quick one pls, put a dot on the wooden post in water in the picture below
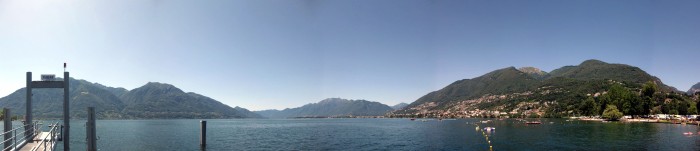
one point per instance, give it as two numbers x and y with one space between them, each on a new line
91 130
203 134
8 127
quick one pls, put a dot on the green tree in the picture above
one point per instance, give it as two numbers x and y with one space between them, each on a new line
590 107
611 113
683 107
620 96
649 88
673 112
646 105
656 110
693 110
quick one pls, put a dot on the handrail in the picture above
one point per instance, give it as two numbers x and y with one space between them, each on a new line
22 139
52 140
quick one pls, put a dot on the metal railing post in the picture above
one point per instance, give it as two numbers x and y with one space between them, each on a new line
15 139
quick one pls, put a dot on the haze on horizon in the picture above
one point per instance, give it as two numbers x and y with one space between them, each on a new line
267 54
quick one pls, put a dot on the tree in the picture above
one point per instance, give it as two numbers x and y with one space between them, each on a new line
656 110
649 88
683 107
693 110
590 107
646 105
611 113
673 112
622 97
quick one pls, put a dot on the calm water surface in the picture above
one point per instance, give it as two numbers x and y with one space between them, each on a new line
384 134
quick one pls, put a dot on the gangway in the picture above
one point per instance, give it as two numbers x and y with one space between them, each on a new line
20 139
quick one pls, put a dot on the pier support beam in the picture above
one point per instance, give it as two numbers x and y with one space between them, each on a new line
8 127
66 116
203 134
91 130
28 116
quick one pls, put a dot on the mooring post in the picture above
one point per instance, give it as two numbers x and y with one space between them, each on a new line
91 130
60 137
8 127
203 134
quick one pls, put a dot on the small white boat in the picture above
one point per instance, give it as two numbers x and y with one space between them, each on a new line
488 129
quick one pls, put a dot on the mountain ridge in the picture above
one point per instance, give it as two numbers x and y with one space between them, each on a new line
151 101
514 90
331 107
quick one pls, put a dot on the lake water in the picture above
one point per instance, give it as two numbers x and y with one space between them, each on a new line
384 134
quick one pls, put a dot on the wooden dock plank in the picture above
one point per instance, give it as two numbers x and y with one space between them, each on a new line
36 141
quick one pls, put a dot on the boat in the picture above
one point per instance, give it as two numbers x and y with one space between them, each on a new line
533 122
413 119
688 133
488 129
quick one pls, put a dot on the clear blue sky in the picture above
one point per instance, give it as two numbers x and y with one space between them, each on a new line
274 54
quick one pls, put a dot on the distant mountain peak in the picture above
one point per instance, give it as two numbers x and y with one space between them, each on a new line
159 84
331 107
164 87
532 70
694 89
592 62
329 100
399 106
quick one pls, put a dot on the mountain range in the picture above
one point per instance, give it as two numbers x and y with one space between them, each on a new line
530 89
151 101
331 107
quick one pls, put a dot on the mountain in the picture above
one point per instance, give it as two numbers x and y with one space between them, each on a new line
694 89
530 90
506 80
332 107
399 106
153 100
159 100
599 70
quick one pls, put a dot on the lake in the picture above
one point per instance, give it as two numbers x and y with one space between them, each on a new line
384 134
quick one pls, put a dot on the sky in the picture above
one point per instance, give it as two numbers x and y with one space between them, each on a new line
276 54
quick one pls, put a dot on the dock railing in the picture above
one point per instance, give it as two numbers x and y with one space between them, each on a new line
48 142
17 142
